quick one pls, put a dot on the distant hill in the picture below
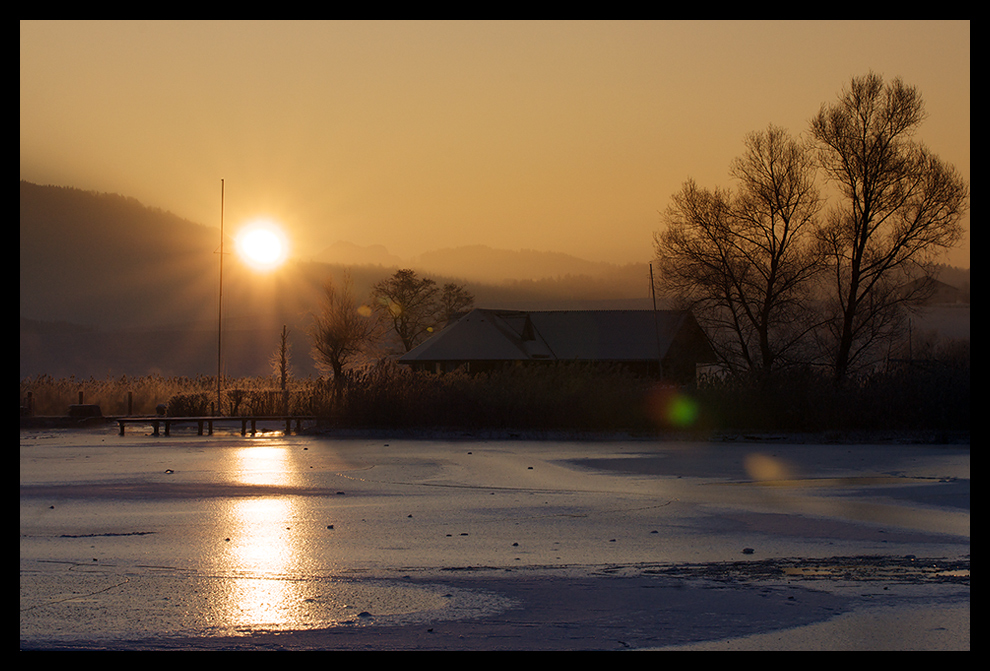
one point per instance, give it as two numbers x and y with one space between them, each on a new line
103 259
481 263
472 263
109 286
348 254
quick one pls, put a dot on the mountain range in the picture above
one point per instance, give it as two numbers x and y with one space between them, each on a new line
109 286
472 263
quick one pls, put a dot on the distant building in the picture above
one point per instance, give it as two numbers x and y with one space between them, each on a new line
934 292
666 343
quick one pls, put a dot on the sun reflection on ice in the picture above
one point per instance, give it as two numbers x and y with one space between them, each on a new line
261 561
266 464
271 571
262 554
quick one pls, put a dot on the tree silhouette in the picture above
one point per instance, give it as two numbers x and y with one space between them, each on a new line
765 270
417 306
341 330
280 362
744 261
901 206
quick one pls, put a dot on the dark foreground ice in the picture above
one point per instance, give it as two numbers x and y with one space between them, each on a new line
380 543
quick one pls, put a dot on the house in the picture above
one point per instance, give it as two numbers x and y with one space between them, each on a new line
665 342
934 292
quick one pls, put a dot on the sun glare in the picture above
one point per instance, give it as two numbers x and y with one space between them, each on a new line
262 245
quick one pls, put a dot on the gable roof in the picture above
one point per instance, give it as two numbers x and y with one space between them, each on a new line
940 292
561 335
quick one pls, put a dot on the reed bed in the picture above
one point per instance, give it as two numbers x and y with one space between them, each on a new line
141 395
572 397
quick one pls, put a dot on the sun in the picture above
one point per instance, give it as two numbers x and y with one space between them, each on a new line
262 245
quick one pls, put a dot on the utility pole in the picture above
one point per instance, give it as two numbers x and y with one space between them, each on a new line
656 324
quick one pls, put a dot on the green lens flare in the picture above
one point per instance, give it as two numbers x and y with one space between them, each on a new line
682 411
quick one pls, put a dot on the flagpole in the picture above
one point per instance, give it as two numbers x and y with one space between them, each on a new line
220 307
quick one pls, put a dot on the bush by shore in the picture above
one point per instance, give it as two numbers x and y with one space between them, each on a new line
573 398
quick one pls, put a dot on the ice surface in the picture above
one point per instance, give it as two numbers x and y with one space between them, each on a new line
189 541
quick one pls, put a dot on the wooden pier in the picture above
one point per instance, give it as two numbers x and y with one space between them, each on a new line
159 422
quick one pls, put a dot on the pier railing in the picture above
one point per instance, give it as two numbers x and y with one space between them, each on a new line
159 422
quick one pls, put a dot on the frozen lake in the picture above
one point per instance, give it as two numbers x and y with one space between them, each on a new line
301 542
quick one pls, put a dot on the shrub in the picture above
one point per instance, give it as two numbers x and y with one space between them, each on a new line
921 396
932 396
196 404
563 396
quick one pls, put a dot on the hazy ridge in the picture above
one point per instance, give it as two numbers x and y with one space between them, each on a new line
109 286
475 263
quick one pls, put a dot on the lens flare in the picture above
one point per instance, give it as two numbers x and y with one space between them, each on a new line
683 411
765 468
671 408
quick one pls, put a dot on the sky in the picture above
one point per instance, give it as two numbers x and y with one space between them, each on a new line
565 136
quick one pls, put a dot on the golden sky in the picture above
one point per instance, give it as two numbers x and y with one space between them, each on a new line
555 136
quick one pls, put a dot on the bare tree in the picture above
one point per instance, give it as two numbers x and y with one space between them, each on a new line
453 299
341 330
745 261
901 206
416 306
696 266
280 366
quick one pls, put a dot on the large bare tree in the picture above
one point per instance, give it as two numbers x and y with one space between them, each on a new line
745 260
341 330
417 306
900 207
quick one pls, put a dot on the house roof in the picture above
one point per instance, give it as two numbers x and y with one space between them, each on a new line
563 335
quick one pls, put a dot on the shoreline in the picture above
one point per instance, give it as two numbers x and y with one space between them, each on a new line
828 437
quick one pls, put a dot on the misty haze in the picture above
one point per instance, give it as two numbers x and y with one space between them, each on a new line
495 335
